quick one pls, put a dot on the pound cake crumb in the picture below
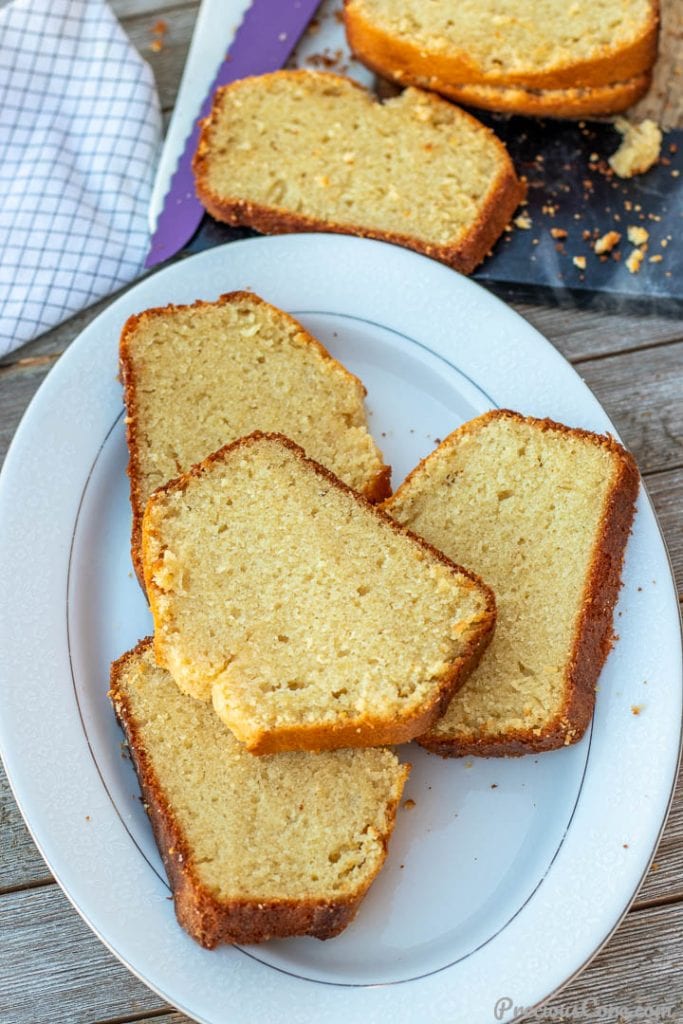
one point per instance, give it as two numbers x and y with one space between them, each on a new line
639 150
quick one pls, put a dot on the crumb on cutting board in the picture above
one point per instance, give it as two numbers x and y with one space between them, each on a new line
637 235
639 149
606 243
634 261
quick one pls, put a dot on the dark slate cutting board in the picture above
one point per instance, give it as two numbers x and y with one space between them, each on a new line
572 189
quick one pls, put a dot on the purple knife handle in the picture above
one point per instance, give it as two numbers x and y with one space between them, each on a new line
269 32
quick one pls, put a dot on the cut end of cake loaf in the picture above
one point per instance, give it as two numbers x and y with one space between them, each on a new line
543 512
198 377
517 43
254 848
311 620
312 151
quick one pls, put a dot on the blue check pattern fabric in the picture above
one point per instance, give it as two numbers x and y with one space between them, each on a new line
79 137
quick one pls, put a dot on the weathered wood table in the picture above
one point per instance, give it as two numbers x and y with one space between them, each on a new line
53 969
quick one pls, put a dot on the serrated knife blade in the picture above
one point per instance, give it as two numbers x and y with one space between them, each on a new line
268 33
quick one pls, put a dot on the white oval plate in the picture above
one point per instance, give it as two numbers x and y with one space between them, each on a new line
507 875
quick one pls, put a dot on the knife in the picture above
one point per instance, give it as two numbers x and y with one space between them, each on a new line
263 42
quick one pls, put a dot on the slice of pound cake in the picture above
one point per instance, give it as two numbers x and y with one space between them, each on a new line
198 377
543 512
506 42
254 848
582 101
311 619
312 151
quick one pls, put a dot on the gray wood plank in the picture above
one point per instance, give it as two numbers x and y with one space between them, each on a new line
642 391
175 1017
664 102
70 977
637 977
20 862
168 61
664 880
53 969
155 9
585 333
18 385
666 491
577 334
643 394
57 340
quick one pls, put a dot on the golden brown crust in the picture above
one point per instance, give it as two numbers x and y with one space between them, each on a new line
377 489
363 731
593 636
404 60
370 732
504 197
205 916
587 101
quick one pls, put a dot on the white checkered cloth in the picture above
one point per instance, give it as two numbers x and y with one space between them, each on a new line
79 138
